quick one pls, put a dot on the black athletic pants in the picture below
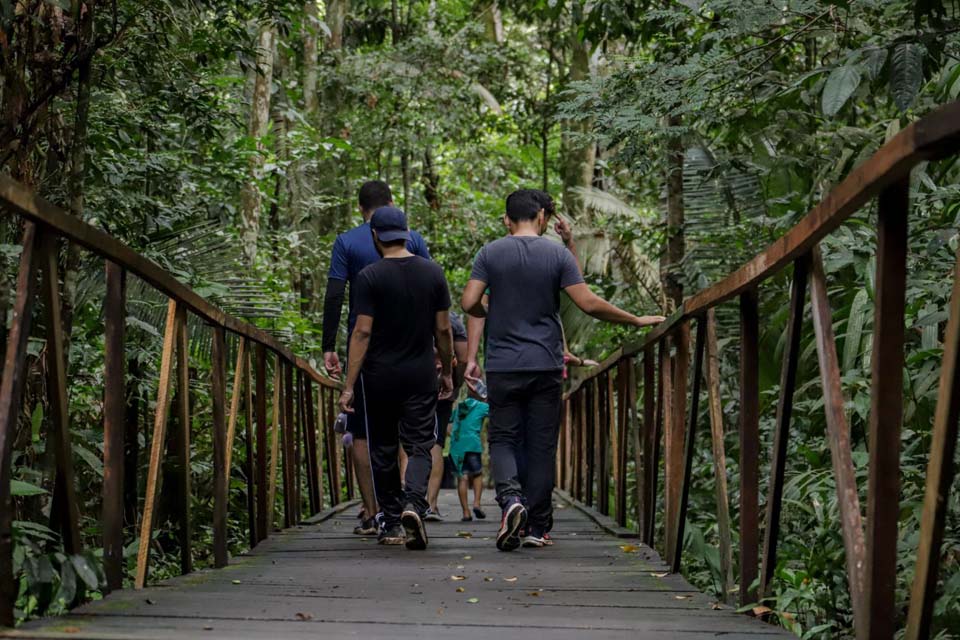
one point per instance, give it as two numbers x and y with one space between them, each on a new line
523 431
395 416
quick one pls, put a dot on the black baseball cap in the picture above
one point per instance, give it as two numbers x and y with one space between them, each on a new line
390 223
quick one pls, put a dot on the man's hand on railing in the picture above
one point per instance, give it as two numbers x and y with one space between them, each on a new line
648 321
331 362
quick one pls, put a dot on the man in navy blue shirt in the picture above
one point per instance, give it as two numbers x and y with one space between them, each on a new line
352 251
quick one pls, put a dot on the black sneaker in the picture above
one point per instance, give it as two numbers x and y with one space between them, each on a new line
514 518
366 527
416 532
391 535
432 516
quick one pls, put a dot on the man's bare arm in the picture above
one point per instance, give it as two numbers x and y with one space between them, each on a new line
444 337
593 305
472 299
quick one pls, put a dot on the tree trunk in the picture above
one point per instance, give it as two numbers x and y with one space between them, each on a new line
431 186
310 100
492 21
405 170
336 15
250 198
671 268
579 152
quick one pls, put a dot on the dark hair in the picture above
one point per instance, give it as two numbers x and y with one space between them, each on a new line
546 201
523 204
374 194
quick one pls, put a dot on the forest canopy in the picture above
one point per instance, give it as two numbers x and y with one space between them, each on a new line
226 140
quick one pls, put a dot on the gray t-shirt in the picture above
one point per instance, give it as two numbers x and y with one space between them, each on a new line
524 275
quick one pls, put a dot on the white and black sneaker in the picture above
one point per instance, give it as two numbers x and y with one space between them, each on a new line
432 516
534 538
415 530
514 518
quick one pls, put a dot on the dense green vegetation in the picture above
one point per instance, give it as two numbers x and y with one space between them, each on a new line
226 139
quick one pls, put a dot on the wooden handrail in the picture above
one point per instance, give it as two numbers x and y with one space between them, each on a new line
870 543
43 223
17 198
934 136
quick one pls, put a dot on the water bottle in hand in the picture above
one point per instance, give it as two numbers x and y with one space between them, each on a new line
340 425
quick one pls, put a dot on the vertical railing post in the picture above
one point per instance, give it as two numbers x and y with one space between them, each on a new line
603 431
675 436
749 443
65 508
263 509
664 400
182 443
886 413
291 514
838 435
648 496
249 463
158 443
778 459
114 427
11 388
221 475
690 443
621 425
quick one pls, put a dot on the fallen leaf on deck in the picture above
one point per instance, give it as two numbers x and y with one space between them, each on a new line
460 589
149 601
535 594
236 582
464 534
682 597
208 628
488 579
473 600
660 575
715 606
468 557
304 616
761 611
511 579
458 577
628 548
71 629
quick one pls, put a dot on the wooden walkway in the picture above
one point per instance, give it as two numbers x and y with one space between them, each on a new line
320 580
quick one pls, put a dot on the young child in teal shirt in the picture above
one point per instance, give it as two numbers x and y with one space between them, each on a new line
465 452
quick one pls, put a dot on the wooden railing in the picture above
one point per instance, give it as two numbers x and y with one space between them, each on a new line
601 410
295 422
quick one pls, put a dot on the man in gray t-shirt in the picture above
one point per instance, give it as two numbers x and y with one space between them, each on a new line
524 274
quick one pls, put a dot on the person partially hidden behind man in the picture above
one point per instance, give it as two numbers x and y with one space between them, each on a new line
525 274
402 304
352 252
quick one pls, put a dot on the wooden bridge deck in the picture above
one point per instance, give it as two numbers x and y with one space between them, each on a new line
320 580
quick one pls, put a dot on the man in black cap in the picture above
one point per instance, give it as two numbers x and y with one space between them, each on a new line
402 305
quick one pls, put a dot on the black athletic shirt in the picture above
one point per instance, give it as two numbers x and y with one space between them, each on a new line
403 295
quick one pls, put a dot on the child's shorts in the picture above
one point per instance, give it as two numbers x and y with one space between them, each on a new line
472 465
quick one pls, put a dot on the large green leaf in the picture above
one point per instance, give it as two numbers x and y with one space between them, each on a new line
21 488
840 85
857 318
906 73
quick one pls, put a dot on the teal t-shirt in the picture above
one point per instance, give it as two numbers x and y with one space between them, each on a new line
467 424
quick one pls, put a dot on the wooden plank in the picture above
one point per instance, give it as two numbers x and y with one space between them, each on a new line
20 200
249 462
781 434
65 493
690 444
940 473
157 446
886 414
264 511
749 444
838 434
221 473
275 429
114 422
235 403
11 391
674 437
182 444
725 544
